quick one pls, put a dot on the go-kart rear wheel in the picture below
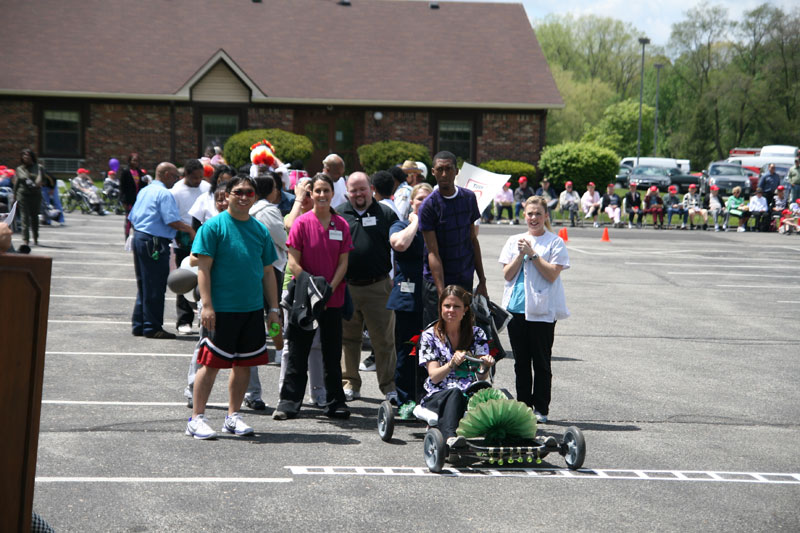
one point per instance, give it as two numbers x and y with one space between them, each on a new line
386 421
434 450
574 448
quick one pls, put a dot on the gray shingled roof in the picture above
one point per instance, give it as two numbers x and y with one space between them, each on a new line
293 51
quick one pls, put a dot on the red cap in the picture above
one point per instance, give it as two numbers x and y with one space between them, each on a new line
781 187
798 201
523 179
692 186
82 171
110 172
507 184
591 184
673 188
208 170
3 167
610 186
653 188
714 188
568 184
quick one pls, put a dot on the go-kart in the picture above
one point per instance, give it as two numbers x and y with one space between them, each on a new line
468 451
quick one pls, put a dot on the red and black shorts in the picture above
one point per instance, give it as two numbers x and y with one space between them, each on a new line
238 340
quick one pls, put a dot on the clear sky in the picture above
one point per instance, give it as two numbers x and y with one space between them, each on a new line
654 18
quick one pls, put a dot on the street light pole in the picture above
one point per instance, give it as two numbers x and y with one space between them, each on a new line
643 41
658 66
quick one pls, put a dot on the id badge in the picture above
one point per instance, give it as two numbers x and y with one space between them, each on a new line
369 221
406 286
335 235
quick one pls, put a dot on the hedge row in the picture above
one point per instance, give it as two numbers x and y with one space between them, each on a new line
288 146
579 163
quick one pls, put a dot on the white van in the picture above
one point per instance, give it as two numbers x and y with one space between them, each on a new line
778 150
759 161
664 162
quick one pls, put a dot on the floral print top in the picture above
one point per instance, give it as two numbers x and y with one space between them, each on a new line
431 348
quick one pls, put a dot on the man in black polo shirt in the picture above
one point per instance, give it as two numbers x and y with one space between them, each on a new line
368 280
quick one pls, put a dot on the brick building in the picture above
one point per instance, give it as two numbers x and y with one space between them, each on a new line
167 77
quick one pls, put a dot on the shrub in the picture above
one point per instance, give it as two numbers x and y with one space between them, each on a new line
384 154
515 168
288 146
580 163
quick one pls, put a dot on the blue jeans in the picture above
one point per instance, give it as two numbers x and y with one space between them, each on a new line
676 211
151 282
49 195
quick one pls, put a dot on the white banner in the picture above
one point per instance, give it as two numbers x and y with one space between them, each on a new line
483 183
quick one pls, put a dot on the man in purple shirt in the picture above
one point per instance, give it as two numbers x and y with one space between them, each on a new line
452 253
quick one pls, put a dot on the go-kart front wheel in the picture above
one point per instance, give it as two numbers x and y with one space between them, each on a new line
386 421
434 450
574 448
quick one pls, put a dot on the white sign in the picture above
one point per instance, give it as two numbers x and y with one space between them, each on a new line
483 183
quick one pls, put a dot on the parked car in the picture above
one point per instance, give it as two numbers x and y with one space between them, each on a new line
645 176
622 175
682 180
726 176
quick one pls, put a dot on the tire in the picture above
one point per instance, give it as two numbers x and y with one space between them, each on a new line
434 450
386 421
574 447
68 204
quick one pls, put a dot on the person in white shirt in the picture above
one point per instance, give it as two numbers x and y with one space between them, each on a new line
591 203
693 206
186 192
504 201
569 200
759 210
534 295
333 167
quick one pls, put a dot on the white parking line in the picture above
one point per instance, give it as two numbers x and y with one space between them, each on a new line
103 263
779 276
715 265
114 322
163 480
127 354
777 287
556 473
126 404
82 252
120 244
98 297
94 278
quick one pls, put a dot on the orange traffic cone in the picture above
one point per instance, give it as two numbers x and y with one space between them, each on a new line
563 235
605 238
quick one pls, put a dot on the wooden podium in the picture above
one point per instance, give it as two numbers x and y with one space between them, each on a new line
24 300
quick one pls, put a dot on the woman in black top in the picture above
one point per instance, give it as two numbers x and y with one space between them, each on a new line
130 181
28 181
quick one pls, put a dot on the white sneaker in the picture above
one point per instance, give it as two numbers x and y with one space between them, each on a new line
235 425
456 442
392 397
350 395
542 419
740 229
199 429
185 329
596 225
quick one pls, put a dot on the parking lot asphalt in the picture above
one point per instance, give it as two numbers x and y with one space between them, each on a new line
679 362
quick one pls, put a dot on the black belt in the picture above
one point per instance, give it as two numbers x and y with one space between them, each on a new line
364 282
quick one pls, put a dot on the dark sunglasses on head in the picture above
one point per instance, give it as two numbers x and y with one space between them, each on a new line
243 192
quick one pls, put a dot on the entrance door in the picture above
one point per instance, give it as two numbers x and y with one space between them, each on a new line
338 131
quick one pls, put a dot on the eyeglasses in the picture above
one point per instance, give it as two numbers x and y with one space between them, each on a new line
243 193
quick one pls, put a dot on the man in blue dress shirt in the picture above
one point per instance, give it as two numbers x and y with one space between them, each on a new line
155 219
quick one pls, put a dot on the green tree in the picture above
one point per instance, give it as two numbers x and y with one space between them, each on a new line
584 105
618 130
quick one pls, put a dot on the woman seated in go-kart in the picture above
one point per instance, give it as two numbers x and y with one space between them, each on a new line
443 349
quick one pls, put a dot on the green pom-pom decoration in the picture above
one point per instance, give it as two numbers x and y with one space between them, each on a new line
484 395
498 421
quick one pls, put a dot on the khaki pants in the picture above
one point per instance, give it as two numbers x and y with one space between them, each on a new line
369 302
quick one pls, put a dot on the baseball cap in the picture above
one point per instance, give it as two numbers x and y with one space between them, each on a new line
591 184
781 188
653 188
523 179
673 188
692 186
714 188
